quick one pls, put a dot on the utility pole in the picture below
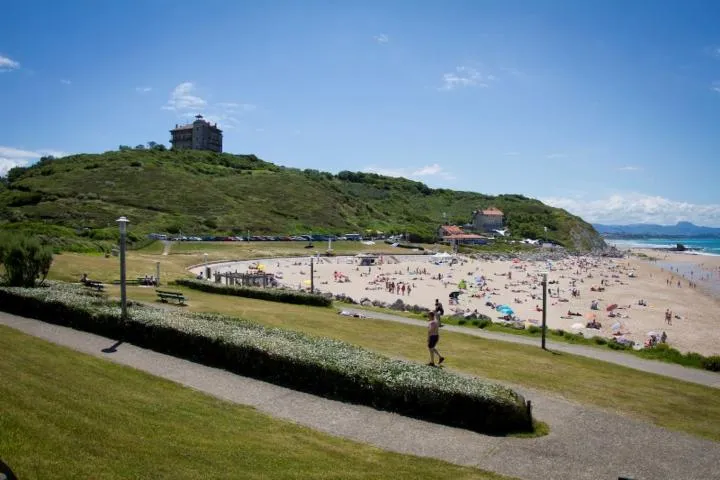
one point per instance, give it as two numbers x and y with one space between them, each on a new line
544 312
312 275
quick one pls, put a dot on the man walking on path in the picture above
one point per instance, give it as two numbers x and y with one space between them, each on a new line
433 337
439 312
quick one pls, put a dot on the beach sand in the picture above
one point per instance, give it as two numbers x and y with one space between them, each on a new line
514 283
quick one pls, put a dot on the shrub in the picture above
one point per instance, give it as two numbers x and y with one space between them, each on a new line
25 260
559 332
601 340
711 363
483 323
316 365
462 321
475 322
533 329
269 294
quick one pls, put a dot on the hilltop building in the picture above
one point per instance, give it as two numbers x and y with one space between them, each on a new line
487 220
199 135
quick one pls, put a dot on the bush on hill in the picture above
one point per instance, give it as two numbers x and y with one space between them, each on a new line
320 366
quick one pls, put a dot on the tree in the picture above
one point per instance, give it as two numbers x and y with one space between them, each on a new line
15 173
124 148
159 147
140 147
25 260
151 145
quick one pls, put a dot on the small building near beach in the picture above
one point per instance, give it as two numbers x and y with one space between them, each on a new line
446 230
465 239
487 220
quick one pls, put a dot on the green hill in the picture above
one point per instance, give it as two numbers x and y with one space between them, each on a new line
75 200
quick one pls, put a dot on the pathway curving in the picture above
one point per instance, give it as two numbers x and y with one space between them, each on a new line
584 443
679 372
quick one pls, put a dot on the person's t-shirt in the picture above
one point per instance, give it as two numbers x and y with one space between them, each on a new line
439 309
433 328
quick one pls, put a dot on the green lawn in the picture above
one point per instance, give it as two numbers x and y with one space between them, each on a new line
663 401
69 415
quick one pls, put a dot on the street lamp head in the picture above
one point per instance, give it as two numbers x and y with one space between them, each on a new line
122 222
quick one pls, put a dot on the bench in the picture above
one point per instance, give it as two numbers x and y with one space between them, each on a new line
96 285
127 282
165 296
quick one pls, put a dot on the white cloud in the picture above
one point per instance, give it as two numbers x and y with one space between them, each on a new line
426 171
182 98
382 38
143 89
556 155
7 64
465 77
14 157
639 208
716 86
629 168
65 81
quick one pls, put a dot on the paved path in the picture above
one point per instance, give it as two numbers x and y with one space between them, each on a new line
584 443
694 375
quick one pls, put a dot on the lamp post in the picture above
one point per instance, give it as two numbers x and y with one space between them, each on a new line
207 275
122 223
544 312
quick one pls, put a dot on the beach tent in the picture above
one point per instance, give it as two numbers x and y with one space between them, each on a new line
505 309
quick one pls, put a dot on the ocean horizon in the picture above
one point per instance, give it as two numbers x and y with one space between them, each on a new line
700 246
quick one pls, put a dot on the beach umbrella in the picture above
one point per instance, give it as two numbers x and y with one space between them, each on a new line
307 282
577 325
616 326
612 307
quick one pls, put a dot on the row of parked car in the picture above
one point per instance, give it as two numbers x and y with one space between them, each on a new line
255 238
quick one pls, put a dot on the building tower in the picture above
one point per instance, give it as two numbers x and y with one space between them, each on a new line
199 135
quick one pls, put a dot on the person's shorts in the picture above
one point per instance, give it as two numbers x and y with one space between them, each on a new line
432 340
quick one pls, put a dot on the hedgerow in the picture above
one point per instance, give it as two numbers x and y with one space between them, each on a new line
315 365
270 294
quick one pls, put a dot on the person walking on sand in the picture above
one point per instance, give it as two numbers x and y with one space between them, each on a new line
433 338
439 312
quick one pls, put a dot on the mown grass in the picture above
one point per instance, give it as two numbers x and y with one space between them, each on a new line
663 401
70 415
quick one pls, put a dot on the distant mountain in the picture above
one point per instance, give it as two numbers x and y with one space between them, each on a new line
681 229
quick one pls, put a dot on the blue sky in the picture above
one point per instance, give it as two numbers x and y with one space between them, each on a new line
609 109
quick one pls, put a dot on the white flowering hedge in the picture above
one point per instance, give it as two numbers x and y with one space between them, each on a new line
270 294
316 365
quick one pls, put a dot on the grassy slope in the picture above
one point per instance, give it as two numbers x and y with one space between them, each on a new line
204 192
70 415
653 398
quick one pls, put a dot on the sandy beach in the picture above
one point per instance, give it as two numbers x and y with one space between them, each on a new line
607 281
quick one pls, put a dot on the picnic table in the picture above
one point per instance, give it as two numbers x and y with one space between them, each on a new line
165 295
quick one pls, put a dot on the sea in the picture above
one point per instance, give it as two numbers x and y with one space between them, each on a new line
707 279
698 246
